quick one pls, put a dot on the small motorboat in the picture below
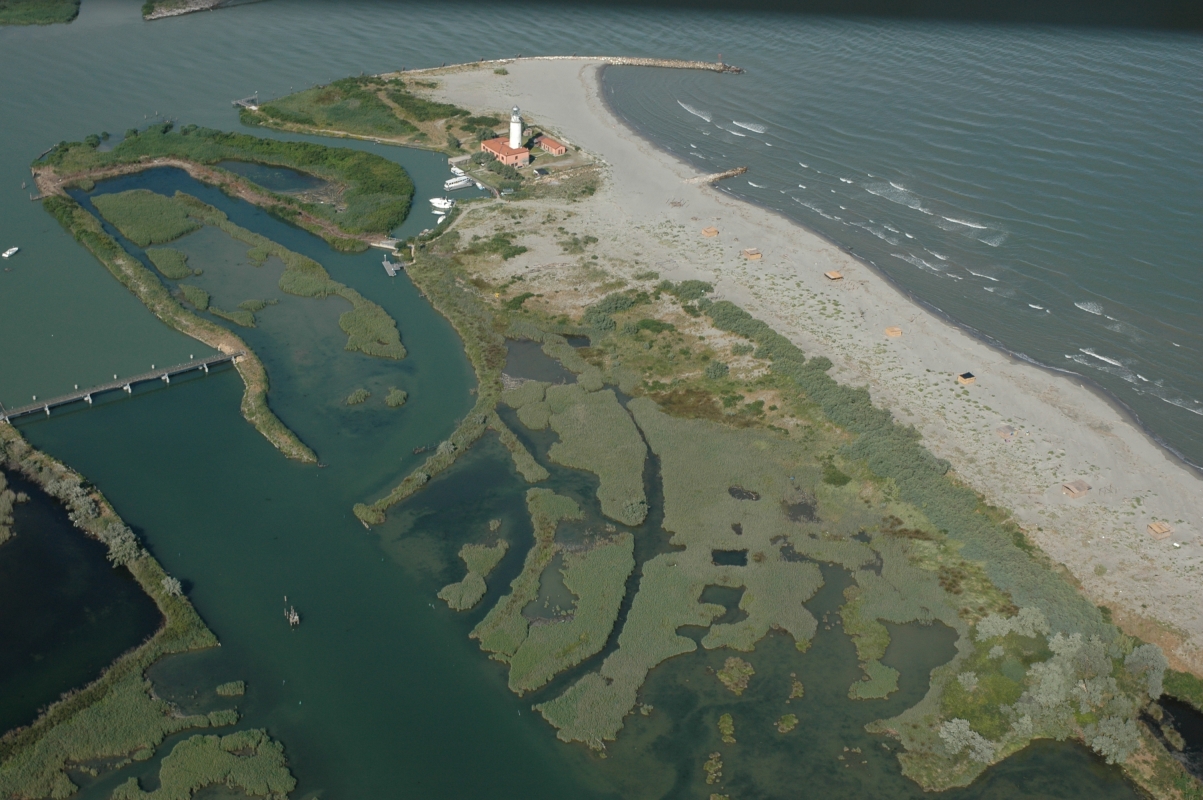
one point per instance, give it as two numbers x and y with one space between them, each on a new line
10 252
462 182
439 221
442 203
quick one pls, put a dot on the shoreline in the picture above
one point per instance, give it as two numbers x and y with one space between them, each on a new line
1085 382
1063 432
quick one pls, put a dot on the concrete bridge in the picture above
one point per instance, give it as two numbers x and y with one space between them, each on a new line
127 384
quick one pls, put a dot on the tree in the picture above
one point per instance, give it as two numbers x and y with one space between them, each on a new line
173 586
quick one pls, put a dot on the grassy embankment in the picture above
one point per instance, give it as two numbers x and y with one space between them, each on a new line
37 12
117 717
374 198
158 299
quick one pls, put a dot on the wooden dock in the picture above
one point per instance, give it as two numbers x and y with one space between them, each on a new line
251 102
127 384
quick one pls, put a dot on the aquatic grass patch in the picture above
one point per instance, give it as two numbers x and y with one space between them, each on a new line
597 434
597 578
195 295
395 397
172 263
145 217
358 397
143 283
247 761
504 628
232 689
530 469
369 327
480 560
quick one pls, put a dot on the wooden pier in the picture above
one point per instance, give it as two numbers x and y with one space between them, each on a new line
251 102
127 384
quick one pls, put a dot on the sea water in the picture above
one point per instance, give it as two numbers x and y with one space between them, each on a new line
380 693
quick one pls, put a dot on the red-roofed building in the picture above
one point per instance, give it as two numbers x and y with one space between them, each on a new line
501 150
551 145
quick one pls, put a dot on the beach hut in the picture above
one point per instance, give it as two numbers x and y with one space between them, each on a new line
833 276
1159 530
710 232
752 254
1005 432
966 378
893 331
1075 489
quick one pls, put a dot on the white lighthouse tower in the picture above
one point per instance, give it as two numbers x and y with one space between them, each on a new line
515 129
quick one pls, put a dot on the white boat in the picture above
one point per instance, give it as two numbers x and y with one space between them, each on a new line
442 203
10 251
462 182
439 221
457 172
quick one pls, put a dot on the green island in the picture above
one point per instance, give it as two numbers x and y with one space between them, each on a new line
766 471
118 717
38 12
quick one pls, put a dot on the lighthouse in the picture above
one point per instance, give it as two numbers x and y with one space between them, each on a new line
515 129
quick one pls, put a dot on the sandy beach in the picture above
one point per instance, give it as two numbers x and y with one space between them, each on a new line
649 215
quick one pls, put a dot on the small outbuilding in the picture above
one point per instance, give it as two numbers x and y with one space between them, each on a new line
710 232
1005 432
833 275
550 145
893 331
1159 530
966 378
1075 489
752 254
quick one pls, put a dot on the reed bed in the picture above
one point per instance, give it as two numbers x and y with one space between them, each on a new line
172 263
144 217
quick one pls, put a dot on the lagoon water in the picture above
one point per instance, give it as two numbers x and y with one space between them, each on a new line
380 693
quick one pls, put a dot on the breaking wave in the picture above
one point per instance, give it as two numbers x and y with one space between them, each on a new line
966 223
1092 308
896 194
1093 354
918 262
749 126
980 274
703 114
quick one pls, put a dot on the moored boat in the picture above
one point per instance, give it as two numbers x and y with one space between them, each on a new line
442 203
10 252
462 182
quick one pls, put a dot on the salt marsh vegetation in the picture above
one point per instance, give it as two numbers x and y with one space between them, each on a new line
480 560
145 217
172 263
232 689
597 434
530 469
247 761
395 397
735 675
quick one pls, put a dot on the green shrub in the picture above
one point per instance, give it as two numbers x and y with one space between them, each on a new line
504 170
424 110
515 303
654 325
716 370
